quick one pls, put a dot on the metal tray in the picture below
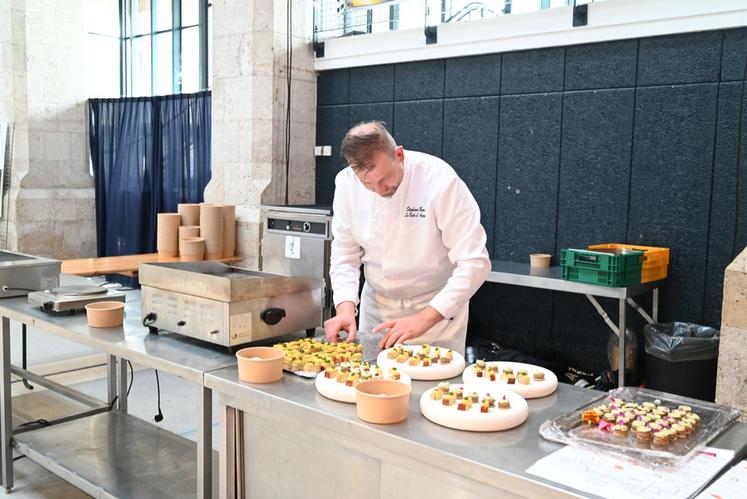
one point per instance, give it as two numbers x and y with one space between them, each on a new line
569 429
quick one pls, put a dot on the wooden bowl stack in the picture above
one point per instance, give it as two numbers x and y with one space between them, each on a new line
192 249
229 230
167 234
211 229
190 213
186 231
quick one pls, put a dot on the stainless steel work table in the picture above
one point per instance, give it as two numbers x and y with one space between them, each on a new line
329 452
551 279
110 453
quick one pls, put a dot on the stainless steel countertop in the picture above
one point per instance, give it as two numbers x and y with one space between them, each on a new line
509 453
169 352
551 278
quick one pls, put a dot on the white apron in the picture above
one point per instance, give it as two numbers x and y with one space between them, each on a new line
375 309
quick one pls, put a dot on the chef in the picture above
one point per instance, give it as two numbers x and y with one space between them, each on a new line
415 226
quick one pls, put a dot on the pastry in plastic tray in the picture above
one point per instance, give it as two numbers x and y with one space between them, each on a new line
655 427
527 380
473 407
338 383
308 357
423 362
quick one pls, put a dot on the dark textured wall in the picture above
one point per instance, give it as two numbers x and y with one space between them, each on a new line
628 141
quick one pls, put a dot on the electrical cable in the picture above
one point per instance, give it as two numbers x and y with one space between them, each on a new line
739 157
129 386
289 79
40 422
158 417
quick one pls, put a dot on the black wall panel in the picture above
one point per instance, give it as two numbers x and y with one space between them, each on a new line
594 167
372 84
627 141
418 125
677 59
331 125
526 191
723 200
601 65
532 71
419 80
733 56
471 147
333 87
671 186
471 76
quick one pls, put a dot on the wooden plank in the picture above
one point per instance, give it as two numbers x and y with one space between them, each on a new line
125 264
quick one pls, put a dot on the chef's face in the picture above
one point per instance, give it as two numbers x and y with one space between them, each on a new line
385 173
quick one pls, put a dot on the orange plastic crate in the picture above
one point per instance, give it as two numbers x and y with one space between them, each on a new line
655 260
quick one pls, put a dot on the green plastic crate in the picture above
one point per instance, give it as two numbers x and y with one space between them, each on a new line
603 278
604 262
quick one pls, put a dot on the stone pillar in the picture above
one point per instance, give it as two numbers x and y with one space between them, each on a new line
248 112
51 197
732 355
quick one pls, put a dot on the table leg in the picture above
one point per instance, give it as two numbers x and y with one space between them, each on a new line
111 378
621 344
204 442
6 413
122 382
655 305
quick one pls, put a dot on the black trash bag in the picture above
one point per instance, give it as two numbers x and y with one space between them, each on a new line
681 341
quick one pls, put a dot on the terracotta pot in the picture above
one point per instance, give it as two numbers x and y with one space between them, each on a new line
105 313
539 260
191 249
260 364
187 231
229 230
167 234
189 212
211 228
382 401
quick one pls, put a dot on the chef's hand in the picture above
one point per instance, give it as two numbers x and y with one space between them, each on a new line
408 327
343 321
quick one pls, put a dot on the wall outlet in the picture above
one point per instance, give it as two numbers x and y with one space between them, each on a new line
326 150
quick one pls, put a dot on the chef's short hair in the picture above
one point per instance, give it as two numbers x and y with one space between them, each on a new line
365 139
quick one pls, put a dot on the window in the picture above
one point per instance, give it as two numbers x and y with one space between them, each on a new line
165 47
102 48
332 18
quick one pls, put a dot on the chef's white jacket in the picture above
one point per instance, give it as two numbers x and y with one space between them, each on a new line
422 246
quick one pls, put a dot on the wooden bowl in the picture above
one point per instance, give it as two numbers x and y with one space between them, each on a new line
105 313
382 401
539 260
260 364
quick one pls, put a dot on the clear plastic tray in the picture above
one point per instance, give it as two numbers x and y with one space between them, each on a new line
569 429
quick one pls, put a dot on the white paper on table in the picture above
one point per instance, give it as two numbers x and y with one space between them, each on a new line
732 484
613 477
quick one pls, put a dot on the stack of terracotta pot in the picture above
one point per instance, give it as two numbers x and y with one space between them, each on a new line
198 231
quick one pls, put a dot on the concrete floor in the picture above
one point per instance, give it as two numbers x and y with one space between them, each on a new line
84 369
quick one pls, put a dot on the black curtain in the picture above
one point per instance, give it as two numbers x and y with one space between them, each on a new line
148 155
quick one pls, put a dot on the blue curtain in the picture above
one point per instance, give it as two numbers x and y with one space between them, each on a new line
148 155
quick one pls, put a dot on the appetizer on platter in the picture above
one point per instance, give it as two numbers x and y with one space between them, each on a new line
424 362
473 407
648 423
338 383
527 380
312 356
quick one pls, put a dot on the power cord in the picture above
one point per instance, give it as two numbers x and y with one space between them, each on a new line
158 417
129 386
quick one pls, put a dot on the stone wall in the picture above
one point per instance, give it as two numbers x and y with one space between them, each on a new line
42 94
248 111
732 356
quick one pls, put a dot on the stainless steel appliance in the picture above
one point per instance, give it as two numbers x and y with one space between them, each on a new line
226 305
68 299
296 241
20 274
